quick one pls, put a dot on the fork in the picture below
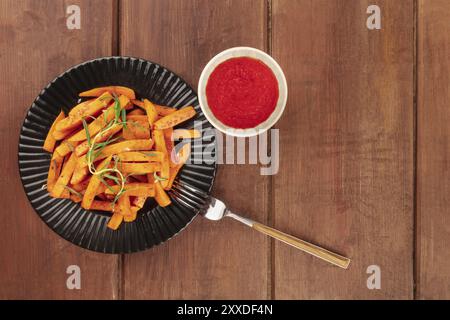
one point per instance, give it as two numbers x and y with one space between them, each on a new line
216 210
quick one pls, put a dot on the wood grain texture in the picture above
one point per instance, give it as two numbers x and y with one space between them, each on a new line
36 46
433 152
346 145
208 260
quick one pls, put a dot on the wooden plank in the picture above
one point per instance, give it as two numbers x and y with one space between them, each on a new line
346 141
36 46
207 260
433 154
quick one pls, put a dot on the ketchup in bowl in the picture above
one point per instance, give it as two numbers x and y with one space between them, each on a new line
242 92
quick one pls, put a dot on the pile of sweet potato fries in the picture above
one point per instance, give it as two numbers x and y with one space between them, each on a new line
111 152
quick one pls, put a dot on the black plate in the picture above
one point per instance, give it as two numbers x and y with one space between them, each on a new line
88 228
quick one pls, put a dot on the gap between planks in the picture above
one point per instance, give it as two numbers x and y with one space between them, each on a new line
415 255
115 51
271 206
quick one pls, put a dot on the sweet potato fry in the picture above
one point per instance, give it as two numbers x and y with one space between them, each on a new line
134 189
83 147
136 130
66 147
162 110
87 110
137 117
173 174
54 171
160 145
138 103
150 109
116 148
50 141
75 198
133 214
78 109
102 188
102 121
91 189
168 140
64 178
59 135
139 201
137 112
125 91
95 92
141 156
65 194
182 157
161 196
175 118
81 186
123 206
115 221
80 173
138 168
101 205
118 90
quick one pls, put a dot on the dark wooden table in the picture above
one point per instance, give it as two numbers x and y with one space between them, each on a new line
364 144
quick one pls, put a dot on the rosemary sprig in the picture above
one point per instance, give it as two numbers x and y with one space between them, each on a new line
73 191
124 118
116 110
86 129
105 115
118 195
110 177
149 154
158 178
109 125
96 148
105 183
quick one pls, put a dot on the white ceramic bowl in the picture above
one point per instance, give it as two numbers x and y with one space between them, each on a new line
235 53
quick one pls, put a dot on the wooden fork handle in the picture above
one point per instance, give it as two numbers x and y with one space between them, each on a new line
307 247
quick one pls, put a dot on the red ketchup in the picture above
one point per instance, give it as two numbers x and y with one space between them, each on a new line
242 92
